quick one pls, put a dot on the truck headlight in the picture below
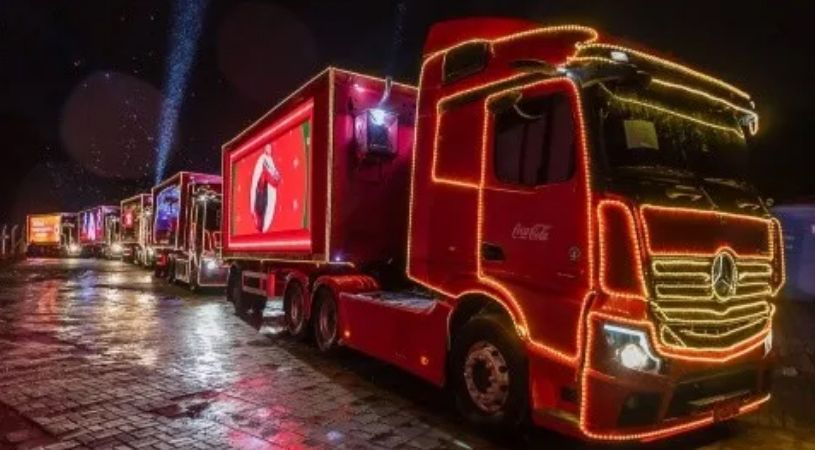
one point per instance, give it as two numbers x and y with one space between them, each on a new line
211 265
768 343
631 349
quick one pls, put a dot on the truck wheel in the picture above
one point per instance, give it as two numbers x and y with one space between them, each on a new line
490 377
193 284
233 285
294 308
258 305
326 321
237 296
171 271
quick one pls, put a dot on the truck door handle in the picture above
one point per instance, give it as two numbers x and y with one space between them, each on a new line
492 252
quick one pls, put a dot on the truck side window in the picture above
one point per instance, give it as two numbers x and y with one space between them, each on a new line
464 61
534 141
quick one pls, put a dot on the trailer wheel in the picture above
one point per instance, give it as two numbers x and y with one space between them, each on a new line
294 307
326 320
489 373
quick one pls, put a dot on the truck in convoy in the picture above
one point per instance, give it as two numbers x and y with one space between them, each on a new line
134 228
53 234
798 221
186 237
554 226
99 232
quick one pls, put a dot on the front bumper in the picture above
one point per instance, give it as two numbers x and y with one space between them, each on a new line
621 404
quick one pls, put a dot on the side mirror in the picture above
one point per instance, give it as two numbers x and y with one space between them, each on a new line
505 101
536 66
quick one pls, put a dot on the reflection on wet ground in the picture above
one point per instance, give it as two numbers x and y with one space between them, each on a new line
97 353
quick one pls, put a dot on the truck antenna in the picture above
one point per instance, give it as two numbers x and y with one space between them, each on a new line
387 93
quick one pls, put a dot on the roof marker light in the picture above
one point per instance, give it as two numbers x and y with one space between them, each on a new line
619 56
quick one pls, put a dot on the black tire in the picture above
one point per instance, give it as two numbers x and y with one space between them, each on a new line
171 271
193 284
236 295
489 374
325 320
258 304
233 284
294 309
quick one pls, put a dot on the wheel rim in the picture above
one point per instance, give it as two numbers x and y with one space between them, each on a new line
295 313
327 322
486 376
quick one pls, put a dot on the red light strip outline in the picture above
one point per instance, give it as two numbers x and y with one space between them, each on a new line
540 347
697 212
522 329
657 60
303 112
640 291
585 427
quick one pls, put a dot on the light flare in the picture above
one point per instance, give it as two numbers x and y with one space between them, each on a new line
188 17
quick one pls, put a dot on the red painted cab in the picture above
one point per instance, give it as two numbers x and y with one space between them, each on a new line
186 235
134 228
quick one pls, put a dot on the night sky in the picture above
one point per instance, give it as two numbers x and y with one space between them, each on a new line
82 82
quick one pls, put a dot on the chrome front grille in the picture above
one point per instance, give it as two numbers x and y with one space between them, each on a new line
690 312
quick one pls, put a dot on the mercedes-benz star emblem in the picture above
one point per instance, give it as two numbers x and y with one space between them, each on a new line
723 276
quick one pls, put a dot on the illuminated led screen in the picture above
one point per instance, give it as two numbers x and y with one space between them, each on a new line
44 230
168 204
269 192
130 220
91 226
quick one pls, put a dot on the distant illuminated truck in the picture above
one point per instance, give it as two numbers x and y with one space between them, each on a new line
99 231
186 237
554 227
135 228
52 234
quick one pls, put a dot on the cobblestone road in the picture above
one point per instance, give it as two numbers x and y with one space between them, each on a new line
97 354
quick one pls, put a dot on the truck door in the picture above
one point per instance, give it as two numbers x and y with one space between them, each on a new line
534 232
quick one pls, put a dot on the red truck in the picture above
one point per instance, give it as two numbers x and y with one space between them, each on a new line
552 225
53 234
135 228
99 231
186 235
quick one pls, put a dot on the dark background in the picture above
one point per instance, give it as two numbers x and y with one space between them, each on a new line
81 82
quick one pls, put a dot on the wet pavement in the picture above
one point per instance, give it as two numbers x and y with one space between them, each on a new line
97 354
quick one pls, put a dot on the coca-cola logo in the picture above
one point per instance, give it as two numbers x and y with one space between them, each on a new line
536 232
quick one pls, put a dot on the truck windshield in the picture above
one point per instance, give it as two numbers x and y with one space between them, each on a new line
645 132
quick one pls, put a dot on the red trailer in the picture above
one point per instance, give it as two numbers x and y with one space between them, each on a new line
99 231
549 225
53 234
135 226
186 235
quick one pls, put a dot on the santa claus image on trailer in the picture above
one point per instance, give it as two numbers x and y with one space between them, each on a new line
263 194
